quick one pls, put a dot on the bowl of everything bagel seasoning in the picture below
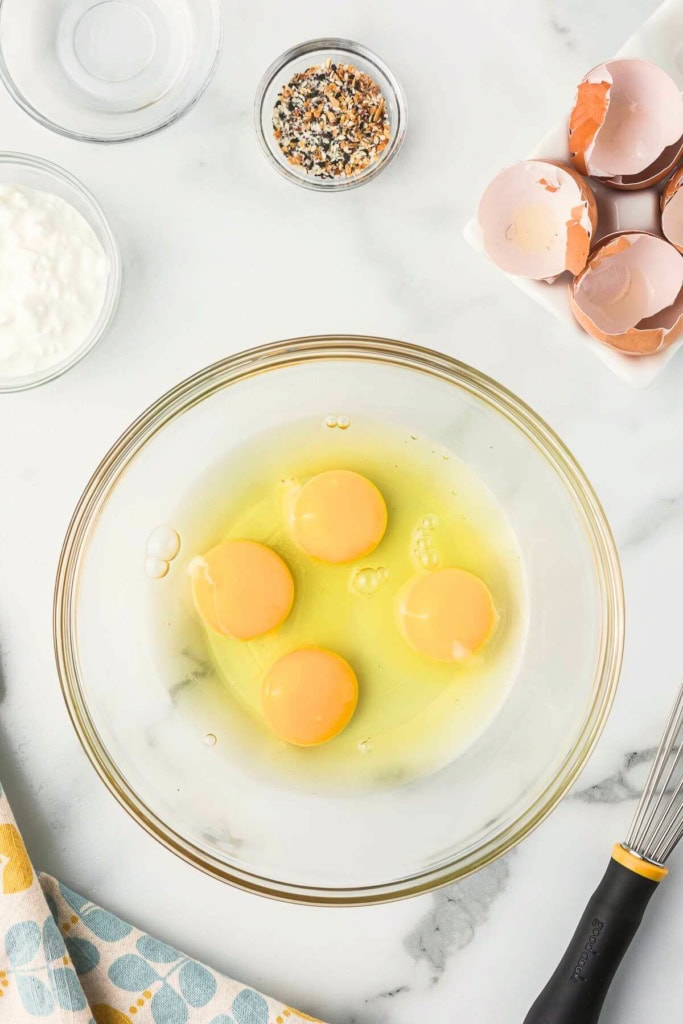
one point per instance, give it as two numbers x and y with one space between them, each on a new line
330 115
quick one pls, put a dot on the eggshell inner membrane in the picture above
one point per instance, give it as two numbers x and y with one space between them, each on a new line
653 174
672 211
630 283
667 320
536 220
642 118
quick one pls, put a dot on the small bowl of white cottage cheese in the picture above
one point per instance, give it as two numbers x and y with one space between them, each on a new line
60 271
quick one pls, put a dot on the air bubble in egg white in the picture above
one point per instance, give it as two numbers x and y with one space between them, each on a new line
210 739
365 746
368 581
424 550
156 568
339 422
163 543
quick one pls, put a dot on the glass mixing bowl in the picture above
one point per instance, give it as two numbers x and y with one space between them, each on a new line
191 794
108 70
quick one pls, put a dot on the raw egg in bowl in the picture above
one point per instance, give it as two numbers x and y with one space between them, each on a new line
329 587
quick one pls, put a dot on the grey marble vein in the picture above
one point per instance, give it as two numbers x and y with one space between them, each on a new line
624 784
391 993
199 669
666 511
365 1019
564 32
456 914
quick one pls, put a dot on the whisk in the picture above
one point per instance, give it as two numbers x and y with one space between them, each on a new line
576 992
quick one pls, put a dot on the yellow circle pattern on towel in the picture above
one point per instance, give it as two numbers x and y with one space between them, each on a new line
447 615
309 696
339 516
242 589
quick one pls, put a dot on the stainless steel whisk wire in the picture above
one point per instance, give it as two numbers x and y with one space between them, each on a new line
578 987
657 826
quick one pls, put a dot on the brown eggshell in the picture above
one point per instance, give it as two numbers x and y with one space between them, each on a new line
626 127
588 116
630 295
672 210
587 194
653 174
537 220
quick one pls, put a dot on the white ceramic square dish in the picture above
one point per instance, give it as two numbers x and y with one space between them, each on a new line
660 39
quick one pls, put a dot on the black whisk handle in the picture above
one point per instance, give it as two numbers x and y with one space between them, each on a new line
576 992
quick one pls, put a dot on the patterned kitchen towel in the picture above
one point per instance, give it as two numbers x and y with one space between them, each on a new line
64 960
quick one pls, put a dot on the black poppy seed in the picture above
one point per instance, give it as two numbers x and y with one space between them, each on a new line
331 121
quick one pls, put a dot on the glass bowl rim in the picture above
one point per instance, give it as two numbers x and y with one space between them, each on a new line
284 354
353 49
113 252
70 133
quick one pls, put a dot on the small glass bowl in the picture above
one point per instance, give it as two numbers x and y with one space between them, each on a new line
20 169
311 54
108 70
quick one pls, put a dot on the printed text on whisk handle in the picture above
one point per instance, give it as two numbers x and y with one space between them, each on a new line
589 950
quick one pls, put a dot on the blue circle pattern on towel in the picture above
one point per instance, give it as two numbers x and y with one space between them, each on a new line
64 960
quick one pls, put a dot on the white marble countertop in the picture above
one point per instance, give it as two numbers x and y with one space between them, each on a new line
206 227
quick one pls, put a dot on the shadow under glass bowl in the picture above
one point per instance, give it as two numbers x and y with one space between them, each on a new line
380 845
311 54
108 70
32 172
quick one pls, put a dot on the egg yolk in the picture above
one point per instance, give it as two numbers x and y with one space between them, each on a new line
339 516
309 696
242 589
447 615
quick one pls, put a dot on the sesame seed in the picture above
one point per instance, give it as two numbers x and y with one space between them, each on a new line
331 121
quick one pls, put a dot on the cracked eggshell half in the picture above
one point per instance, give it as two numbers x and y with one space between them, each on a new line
537 219
630 296
626 128
672 210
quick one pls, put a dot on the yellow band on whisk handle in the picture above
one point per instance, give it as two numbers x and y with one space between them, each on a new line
639 866
578 988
